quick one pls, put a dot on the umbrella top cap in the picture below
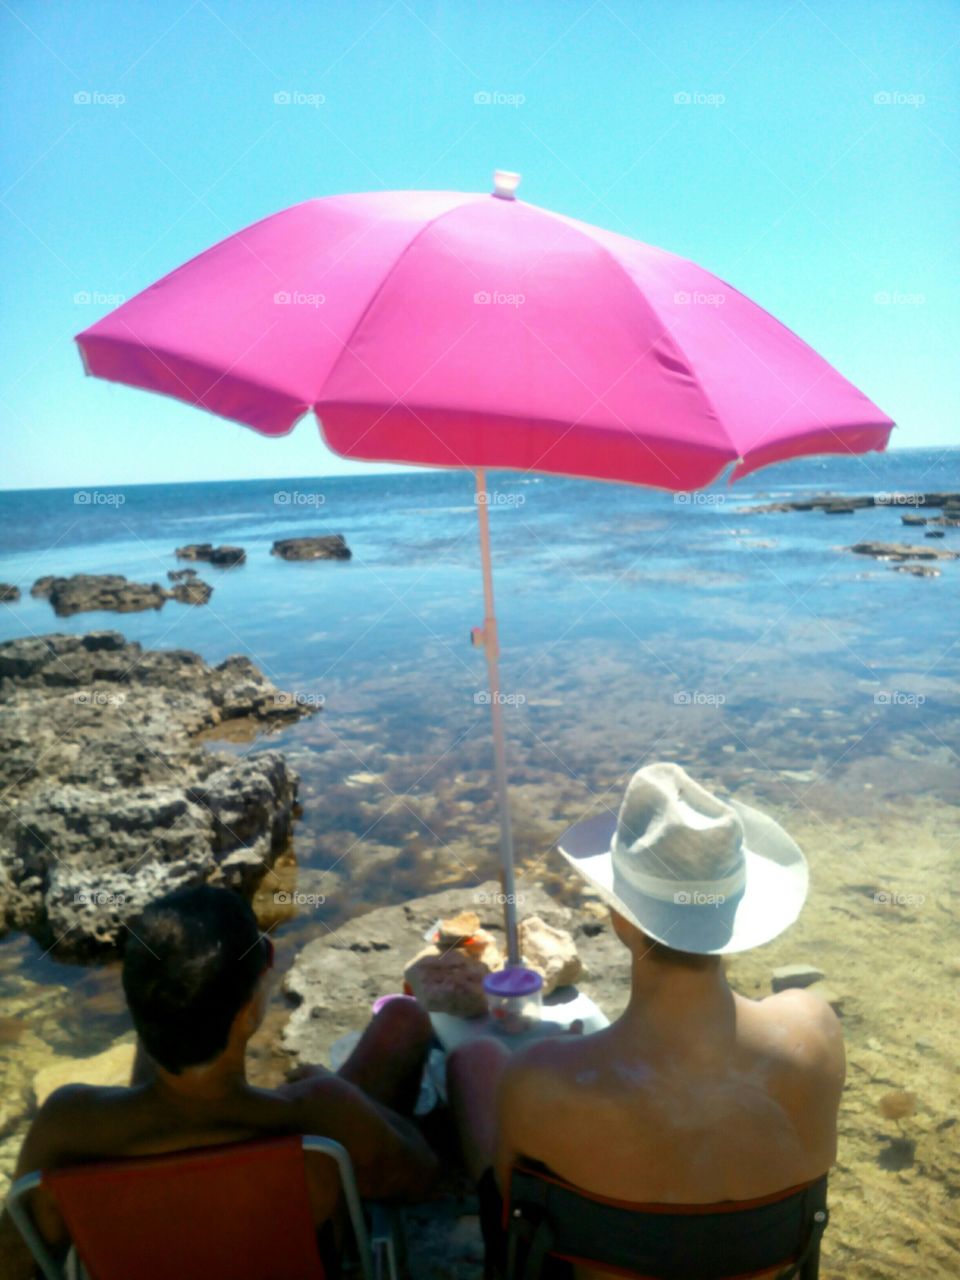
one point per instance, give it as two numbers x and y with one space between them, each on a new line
505 184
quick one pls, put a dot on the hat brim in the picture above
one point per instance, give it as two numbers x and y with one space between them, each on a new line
773 895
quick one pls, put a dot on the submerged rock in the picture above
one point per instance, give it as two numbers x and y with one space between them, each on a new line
917 570
331 546
795 975
110 798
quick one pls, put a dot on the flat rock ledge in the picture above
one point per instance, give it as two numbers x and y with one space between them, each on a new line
110 800
335 979
86 592
844 504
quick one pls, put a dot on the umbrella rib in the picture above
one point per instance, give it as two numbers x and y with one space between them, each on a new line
384 278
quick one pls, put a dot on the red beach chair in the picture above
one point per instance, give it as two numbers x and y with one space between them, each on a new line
236 1212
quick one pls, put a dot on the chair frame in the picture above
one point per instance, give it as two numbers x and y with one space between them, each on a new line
377 1250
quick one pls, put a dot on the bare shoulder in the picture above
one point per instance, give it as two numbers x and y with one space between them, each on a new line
58 1127
803 1029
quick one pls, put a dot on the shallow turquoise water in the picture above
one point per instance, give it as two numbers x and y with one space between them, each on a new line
635 625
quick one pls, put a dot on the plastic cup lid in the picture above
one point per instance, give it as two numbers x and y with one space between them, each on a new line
512 982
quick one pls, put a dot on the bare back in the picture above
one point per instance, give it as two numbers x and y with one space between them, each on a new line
725 1109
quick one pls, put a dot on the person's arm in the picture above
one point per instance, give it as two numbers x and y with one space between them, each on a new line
39 1151
513 1122
391 1159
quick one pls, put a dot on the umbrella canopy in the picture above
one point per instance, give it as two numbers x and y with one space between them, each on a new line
459 330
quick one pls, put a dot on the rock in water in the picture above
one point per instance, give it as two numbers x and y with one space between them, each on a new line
86 592
329 547
94 591
228 557
8 593
110 798
223 557
795 975
901 551
193 591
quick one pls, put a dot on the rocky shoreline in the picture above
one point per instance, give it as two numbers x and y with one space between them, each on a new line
111 799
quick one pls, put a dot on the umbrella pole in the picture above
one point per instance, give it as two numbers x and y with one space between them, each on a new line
488 637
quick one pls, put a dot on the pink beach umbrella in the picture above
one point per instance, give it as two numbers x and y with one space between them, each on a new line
450 329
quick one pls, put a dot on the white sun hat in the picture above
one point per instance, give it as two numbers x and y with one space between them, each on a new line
690 870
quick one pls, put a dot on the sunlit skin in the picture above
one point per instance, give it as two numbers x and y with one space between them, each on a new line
695 1094
364 1106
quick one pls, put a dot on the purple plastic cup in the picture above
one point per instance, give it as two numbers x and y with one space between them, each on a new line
514 997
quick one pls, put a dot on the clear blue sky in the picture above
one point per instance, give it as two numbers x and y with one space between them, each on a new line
800 188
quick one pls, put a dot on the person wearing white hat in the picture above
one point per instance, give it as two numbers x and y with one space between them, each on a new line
695 1094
